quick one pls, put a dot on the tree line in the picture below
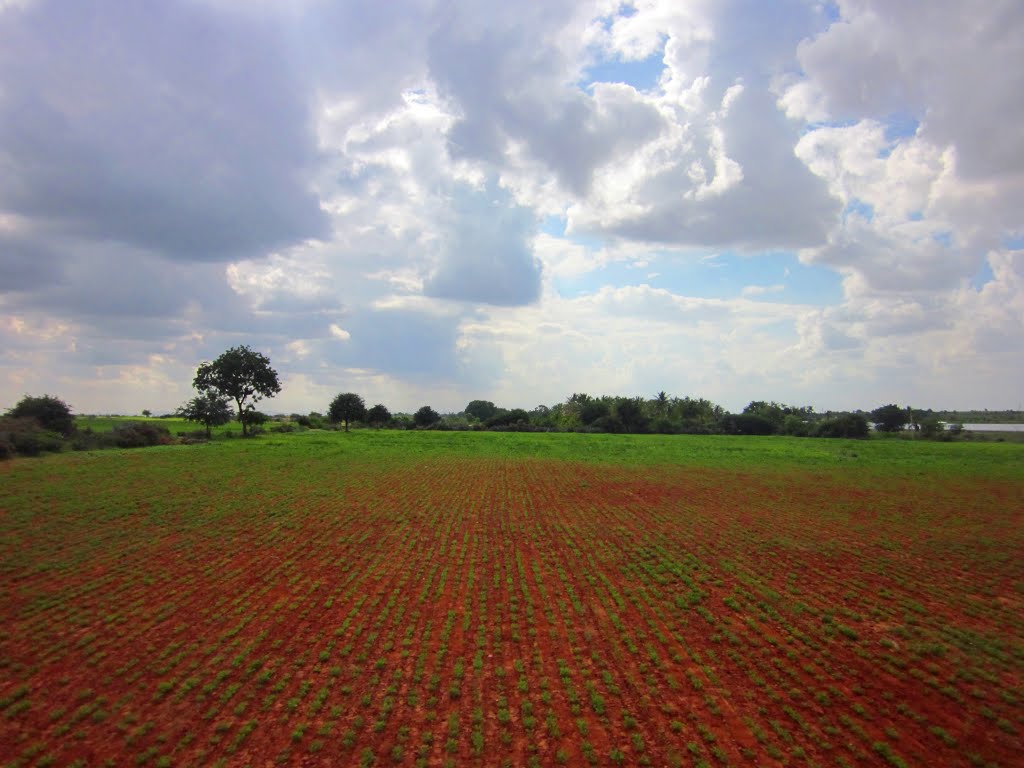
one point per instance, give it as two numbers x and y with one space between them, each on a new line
231 386
661 414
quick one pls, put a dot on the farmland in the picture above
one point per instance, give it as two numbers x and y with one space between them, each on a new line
486 599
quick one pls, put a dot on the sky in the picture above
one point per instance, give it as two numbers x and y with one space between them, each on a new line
429 202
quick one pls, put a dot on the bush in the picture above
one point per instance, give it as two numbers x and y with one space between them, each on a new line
664 426
508 418
849 425
747 424
794 426
24 436
140 435
87 440
52 413
608 423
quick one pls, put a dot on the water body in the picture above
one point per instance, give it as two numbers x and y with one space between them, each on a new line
993 427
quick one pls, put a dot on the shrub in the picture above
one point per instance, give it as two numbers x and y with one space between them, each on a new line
608 423
850 425
795 426
517 416
664 426
747 424
25 436
87 440
52 413
140 435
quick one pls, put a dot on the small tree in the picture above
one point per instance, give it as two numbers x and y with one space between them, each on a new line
50 413
889 418
240 374
346 407
378 416
146 412
209 409
426 416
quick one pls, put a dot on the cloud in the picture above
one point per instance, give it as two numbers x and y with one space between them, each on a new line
721 172
761 290
198 157
883 58
390 199
487 254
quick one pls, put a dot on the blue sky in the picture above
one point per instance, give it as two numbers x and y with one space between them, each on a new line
642 75
428 203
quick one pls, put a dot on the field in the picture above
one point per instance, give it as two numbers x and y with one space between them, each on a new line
172 425
501 599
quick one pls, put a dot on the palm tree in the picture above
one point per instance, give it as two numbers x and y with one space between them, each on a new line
661 403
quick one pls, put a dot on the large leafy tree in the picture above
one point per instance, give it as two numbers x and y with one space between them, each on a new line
209 409
346 407
240 374
630 411
481 409
889 418
378 416
50 412
426 416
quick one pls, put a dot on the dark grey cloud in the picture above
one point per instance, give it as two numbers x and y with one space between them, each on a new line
401 342
165 126
487 256
26 263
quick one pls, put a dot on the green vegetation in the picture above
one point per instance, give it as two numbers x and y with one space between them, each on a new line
777 454
242 375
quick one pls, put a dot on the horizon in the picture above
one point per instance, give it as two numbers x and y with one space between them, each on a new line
808 202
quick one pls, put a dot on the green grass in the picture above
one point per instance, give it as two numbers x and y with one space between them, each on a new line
174 426
754 454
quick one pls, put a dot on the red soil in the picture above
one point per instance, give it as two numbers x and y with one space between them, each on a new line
498 612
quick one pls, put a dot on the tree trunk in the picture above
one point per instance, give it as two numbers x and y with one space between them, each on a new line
241 415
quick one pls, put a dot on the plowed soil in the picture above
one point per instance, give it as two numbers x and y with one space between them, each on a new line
515 611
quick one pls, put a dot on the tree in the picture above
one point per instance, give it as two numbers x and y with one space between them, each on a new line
239 374
592 410
209 409
889 418
848 425
426 416
252 418
378 416
517 417
146 412
630 411
931 428
481 409
346 407
747 424
50 413
661 403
